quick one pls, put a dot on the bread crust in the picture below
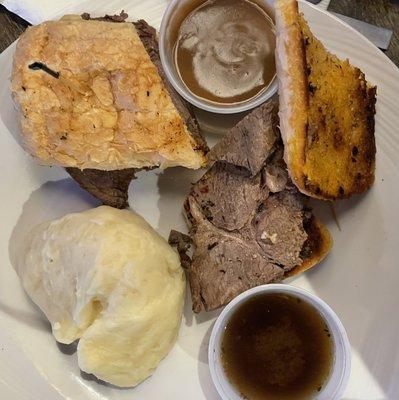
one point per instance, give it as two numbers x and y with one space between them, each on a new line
109 108
293 95
326 113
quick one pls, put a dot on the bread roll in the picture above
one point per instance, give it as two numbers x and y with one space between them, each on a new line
89 96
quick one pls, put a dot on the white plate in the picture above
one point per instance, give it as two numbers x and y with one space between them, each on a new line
359 279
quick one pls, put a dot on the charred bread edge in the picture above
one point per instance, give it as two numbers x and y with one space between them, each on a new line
291 52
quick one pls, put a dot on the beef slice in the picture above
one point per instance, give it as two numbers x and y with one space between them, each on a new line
111 187
251 141
227 196
224 264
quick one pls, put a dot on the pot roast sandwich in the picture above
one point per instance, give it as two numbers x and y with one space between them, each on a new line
249 225
93 98
326 112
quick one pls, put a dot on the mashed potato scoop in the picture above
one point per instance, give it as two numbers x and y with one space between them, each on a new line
105 277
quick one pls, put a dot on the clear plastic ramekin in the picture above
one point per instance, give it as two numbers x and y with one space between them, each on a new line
173 17
339 376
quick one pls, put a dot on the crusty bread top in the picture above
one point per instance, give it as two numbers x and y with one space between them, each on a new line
109 108
326 112
293 99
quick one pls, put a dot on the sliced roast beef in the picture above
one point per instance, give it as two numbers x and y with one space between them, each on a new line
247 219
279 229
251 141
224 264
275 172
182 243
227 196
111 187
110 18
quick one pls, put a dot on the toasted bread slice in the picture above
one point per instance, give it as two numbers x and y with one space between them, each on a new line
90 96
326 112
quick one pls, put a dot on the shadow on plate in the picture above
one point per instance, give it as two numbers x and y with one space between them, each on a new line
92 378
51 200
35 320
191 318
8 112
68 349
325 210
204 375
217 124
358 281
174 184
71 349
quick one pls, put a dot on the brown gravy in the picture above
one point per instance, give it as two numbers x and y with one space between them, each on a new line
224 51
277 346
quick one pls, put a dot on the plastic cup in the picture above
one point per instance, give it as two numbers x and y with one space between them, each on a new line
171 21
339 376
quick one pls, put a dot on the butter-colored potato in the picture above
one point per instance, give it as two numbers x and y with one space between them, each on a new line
105 277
